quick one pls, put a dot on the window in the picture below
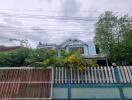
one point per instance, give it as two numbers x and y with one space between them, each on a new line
81 49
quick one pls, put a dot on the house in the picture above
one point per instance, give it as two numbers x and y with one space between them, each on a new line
87 49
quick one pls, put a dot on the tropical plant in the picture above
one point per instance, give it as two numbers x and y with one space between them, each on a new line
74 60
44 58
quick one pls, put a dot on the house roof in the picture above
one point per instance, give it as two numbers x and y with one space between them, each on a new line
5 48
62 45
67 42
41 45
97 57
25 83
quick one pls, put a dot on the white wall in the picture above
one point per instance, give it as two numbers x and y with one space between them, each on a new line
91 48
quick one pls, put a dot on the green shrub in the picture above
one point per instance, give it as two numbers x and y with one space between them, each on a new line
44 58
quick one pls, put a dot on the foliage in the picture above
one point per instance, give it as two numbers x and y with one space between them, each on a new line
104 36
74 60
14 58
44 58
114 37
41 57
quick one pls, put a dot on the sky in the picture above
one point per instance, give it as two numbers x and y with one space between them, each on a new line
54 21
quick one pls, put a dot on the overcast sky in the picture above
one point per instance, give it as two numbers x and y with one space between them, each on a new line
53 21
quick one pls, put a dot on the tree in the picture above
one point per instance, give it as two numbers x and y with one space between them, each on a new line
104 32
114 37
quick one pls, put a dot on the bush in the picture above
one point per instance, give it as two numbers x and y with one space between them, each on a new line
41 57
14 58
44 58
74 60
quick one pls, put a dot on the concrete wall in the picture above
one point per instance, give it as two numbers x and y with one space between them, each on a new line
87 93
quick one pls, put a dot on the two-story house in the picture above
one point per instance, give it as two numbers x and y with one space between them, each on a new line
87 49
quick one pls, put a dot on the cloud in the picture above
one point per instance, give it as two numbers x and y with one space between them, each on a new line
57 23
70 7
11 21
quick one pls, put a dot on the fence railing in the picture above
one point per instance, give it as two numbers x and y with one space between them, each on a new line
101 74
125 74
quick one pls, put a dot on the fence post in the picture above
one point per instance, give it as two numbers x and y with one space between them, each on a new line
69 83
119 83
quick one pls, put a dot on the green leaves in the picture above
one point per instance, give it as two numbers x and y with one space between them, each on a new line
104 37
14 58
114 36
43 58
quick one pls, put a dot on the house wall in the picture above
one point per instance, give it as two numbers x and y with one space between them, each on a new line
91 49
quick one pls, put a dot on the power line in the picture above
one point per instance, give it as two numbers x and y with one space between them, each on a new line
62 31
57 18
57 11
46 15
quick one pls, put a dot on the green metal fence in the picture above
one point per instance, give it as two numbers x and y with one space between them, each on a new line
112 83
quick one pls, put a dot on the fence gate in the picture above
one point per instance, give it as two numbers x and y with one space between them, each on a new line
25 84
